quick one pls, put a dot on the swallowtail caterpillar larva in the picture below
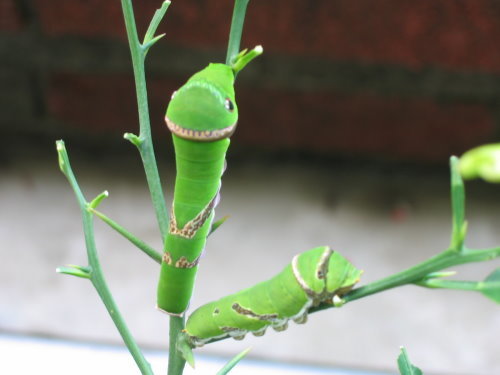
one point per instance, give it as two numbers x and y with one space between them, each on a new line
315 276
201 115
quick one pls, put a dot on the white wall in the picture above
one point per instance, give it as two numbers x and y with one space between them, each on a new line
382 220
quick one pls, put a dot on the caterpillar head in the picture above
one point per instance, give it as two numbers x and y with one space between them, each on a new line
204 109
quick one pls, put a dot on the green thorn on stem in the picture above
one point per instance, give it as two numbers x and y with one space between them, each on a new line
244 57
217 224
74 270
134 139
97 200
149 44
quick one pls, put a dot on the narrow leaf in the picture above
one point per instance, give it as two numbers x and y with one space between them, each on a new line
217 224
73 270
132 138
97 200
185 349
150 43
457 206
405 366
483 162
491 286
233 362
61 151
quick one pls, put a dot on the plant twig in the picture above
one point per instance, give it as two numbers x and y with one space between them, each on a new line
144 142
145 145
94 270
238 19
144 247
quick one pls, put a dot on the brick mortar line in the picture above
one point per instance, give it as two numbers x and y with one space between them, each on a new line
277 72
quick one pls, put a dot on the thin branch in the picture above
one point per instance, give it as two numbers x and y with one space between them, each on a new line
238 19
94 271
144 142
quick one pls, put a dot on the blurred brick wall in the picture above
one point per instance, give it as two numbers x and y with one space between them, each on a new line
386 79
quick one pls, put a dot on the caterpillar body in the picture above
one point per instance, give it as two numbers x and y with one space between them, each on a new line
315 276
201 115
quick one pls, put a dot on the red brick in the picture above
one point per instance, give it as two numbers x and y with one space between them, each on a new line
187 21
363 125
90 17
325 123
449 33
10 19
104 104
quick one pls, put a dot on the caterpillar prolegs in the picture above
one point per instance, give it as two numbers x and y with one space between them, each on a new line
315 276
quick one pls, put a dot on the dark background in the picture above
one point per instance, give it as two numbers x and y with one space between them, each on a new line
368 80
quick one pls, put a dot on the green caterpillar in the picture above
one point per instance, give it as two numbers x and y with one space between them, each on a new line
201 115
315 276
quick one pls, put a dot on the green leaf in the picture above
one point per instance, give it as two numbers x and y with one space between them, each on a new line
405 366
217 224
74 270
459 229
482 162
61 151
233 362
185 349
97 200
244 57
490 287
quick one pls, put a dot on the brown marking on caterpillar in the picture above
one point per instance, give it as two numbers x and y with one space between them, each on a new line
190 229
200 135
321 272
182 262
167 258
322 268
247 312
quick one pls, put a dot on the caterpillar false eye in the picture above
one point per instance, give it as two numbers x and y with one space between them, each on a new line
173 95
229 105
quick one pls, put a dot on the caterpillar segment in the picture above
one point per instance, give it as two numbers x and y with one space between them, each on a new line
316 276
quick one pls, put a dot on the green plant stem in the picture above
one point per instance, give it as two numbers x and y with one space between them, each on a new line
96 274
145 143
145 146
412 275
175 361
233 45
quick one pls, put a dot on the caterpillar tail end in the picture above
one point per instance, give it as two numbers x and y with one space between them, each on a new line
179 315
